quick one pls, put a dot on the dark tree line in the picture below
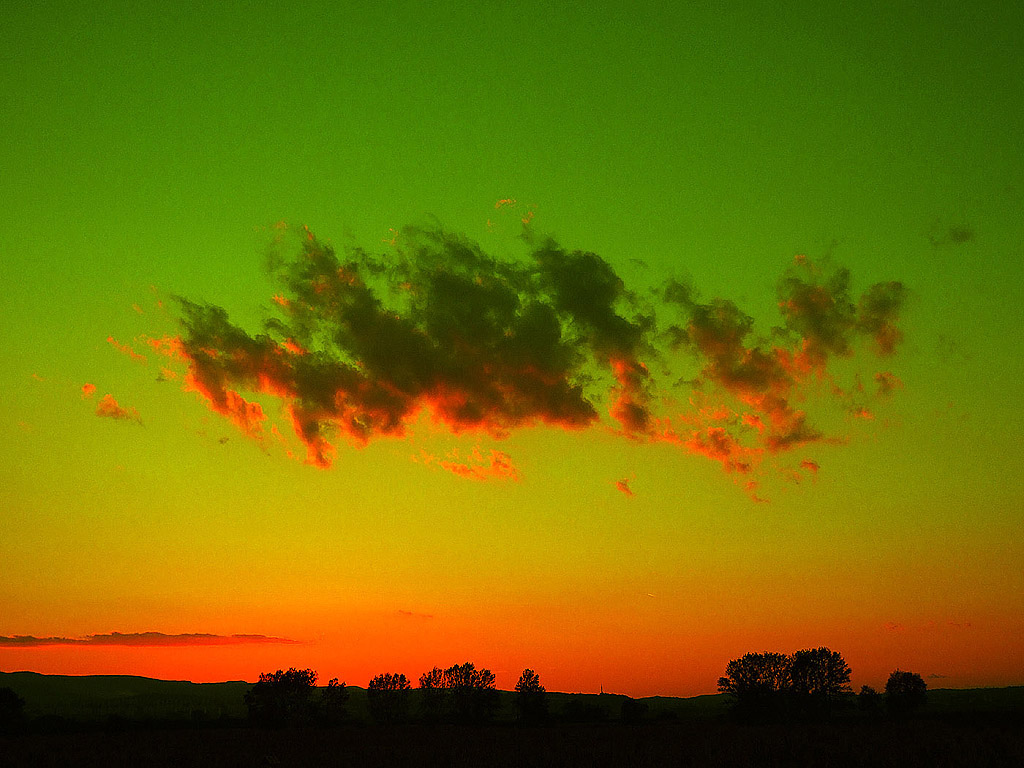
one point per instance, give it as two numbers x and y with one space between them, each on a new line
461 693
387 697
809 684
291 698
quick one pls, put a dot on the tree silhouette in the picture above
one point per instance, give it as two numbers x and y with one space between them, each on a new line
818 678
387 696
331 709
473 694
531 698
758 682
808 683
905 692
462 692
432 693
281 697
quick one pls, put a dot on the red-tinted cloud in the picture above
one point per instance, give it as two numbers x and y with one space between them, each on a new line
88 390
497 465
768 375
125 349
140 639
623 486
361 345
109 408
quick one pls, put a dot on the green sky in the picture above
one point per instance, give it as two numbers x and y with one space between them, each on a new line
150 154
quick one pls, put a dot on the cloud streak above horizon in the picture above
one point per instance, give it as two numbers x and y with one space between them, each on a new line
141 640
358 345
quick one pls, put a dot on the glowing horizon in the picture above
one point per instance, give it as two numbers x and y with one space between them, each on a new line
614 350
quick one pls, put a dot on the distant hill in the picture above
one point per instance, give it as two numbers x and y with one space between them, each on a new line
981 700
102 697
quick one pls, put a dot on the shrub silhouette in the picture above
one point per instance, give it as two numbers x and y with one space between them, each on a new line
633 711
869 700
578 710
12 710
531 698
905 692
387 697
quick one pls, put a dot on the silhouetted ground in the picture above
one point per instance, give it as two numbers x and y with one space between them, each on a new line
935 742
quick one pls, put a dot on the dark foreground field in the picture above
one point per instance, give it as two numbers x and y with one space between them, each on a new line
703 744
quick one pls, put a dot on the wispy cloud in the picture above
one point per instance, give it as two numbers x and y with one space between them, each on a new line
414 615
125 349
930 626
496 465
140 639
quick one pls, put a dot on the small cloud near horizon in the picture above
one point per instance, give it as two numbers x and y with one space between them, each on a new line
414 615
141 639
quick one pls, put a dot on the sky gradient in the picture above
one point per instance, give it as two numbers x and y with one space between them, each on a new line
614 345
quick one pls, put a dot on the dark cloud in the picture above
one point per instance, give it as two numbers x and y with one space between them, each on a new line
886 383
140 639
952 234
360 345
878 313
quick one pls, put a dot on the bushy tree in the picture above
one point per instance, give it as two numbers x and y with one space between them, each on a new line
281 698
531 698
461 692
818 678
758 682
905 692
387 696
432 694
771 684
330 710
473 693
